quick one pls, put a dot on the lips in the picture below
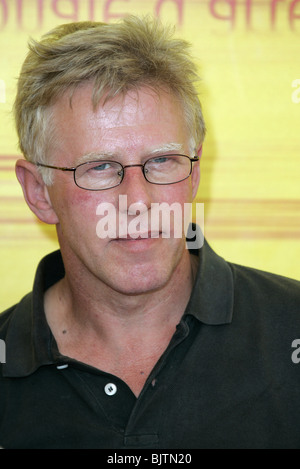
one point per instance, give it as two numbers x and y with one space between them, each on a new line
136 236
138 245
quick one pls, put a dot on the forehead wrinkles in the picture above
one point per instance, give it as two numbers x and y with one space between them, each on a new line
141 121
141 103
128 111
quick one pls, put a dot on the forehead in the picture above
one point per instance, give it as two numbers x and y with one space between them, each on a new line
139 121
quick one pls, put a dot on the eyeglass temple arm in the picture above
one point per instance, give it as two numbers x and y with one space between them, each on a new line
54 167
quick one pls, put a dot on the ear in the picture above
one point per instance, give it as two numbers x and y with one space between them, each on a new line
35 191
196 173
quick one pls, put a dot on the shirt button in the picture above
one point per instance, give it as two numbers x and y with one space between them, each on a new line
62 367
110 389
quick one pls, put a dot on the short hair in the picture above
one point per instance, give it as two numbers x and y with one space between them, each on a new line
117 58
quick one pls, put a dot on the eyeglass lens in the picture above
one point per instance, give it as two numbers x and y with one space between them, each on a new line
164 169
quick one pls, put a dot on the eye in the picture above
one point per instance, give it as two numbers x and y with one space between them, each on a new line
97 169
101 166
160 159
161 163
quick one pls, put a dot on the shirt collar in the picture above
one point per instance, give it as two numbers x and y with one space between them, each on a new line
211 301
29 341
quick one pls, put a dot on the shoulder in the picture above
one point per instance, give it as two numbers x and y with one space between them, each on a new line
263 279
6 317
264 289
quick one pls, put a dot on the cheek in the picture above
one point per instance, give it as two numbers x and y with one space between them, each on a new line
181 192
74 205
178 212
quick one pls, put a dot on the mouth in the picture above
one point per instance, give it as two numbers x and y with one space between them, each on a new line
138 242
137 236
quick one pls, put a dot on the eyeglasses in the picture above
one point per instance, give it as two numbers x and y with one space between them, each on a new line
105 174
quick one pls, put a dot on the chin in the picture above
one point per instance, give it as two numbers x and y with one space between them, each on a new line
140 281
142 271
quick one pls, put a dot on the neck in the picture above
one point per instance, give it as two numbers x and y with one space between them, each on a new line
94 305
124 335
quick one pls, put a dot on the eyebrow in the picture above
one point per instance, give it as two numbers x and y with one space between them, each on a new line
167 147
95 156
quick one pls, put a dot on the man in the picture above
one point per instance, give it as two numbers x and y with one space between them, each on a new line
131 340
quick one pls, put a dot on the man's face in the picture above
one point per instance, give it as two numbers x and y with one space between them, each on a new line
129 130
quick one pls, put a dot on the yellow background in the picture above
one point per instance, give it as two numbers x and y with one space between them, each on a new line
248 53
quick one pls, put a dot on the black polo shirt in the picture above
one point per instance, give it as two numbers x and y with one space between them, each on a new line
230 377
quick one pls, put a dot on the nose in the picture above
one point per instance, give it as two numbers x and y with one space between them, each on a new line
137 189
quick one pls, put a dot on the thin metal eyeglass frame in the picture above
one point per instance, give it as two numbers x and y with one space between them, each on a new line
192 160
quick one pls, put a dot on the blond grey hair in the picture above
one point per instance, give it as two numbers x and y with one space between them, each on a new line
117 58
